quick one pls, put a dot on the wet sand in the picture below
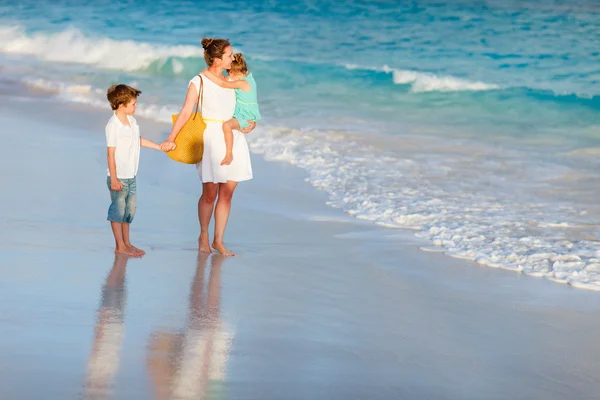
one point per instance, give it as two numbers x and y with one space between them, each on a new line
315 305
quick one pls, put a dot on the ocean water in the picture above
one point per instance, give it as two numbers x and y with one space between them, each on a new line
474 123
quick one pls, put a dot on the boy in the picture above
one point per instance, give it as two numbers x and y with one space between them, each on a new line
123 141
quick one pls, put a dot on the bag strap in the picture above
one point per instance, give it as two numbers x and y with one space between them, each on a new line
200 96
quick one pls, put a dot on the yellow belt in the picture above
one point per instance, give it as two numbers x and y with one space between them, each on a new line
213 120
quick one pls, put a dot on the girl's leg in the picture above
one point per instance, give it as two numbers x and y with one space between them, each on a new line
205 209
222 215
228 127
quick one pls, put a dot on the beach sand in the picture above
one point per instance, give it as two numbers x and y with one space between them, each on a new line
315 305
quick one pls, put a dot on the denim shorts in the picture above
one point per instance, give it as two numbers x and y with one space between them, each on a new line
122 206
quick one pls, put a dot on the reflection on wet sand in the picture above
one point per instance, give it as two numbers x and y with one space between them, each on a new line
103 362
191 364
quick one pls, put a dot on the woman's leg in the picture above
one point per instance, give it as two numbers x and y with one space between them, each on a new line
228 127
222 215
205 209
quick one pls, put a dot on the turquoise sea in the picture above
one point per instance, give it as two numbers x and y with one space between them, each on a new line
474 123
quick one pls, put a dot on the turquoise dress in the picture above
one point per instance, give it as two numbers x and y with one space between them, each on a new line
246 104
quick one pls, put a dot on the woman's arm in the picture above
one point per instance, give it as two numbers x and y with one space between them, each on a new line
243 85
184 115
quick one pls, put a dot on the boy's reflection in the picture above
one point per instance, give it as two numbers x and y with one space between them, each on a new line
103 361
191 364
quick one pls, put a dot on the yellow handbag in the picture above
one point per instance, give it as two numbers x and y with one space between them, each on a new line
190 140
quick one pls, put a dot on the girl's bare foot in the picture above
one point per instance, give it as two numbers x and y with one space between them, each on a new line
227 160
220 247
203 245
136 250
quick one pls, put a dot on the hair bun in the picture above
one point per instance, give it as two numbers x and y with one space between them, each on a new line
206 42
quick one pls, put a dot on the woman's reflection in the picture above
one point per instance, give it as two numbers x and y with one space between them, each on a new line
191 364
103 361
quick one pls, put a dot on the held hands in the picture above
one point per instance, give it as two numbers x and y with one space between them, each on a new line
250 128
167 145
116 185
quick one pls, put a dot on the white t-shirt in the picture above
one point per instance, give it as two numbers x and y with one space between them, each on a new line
126 139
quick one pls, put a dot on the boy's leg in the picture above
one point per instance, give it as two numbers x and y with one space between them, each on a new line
228 127
125 228
130 207
116 213
117 230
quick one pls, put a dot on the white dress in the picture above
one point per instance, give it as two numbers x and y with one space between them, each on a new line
218 105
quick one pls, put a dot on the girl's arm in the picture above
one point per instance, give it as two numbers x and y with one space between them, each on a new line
243 85
149 144
184 115
250 128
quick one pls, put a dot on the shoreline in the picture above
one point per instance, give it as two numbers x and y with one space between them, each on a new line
187 179
466 227
314 304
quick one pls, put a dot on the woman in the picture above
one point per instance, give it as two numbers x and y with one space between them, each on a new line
218 181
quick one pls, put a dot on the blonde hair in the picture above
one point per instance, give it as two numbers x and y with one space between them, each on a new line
214 48
238 65
121 94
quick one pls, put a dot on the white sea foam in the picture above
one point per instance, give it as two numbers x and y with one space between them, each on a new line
494 229
429 193
421 82
428 82
96 97
59 87
72 46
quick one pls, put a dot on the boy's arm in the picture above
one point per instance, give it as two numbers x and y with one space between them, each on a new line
111 143
245 86
149 144
115 184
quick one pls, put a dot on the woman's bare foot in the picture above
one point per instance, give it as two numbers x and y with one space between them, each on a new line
136 250
220 247
127 251
203 245
227 160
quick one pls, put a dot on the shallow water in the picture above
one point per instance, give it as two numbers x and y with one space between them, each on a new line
316 304
475 123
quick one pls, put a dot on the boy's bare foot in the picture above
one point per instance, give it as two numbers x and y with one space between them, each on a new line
220 247
136 250
127 251
203 245
227 160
